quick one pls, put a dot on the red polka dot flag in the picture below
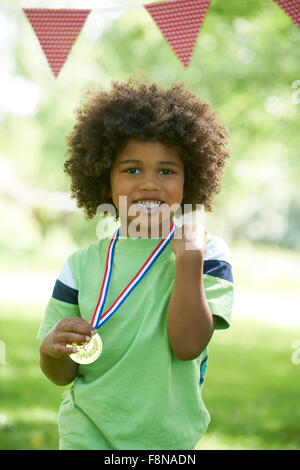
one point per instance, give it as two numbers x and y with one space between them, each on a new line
56 30
291 8
179 22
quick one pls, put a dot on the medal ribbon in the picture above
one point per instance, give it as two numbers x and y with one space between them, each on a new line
99 318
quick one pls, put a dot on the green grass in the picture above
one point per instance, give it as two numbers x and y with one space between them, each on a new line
28 401
251 388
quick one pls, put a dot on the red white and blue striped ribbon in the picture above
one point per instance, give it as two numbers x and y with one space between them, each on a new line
99 318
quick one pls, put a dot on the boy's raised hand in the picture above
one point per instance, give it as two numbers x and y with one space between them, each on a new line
66 331
190 238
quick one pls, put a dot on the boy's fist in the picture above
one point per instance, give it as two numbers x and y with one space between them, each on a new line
190 237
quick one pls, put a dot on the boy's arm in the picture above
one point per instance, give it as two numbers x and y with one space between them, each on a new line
60 371
190 323
54 359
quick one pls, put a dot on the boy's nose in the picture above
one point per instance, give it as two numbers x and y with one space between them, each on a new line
149 182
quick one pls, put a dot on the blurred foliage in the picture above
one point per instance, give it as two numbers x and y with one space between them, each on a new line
245 62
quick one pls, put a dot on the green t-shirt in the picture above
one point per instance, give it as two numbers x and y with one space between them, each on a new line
137 394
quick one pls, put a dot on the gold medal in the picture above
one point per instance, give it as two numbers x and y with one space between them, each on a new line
87 352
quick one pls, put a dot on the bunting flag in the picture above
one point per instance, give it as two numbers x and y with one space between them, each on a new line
56 31
179 22
291 8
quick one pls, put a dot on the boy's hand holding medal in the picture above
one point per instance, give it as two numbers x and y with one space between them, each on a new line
68 336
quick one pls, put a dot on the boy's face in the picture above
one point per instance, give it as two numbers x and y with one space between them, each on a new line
147 171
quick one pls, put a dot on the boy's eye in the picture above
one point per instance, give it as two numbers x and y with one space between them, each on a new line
132 170
129 170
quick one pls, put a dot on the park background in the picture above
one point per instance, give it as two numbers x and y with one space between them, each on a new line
246 63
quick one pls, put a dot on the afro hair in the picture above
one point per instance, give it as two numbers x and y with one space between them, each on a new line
145 111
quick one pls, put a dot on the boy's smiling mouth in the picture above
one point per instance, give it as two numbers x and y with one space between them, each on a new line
149 206
148 202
